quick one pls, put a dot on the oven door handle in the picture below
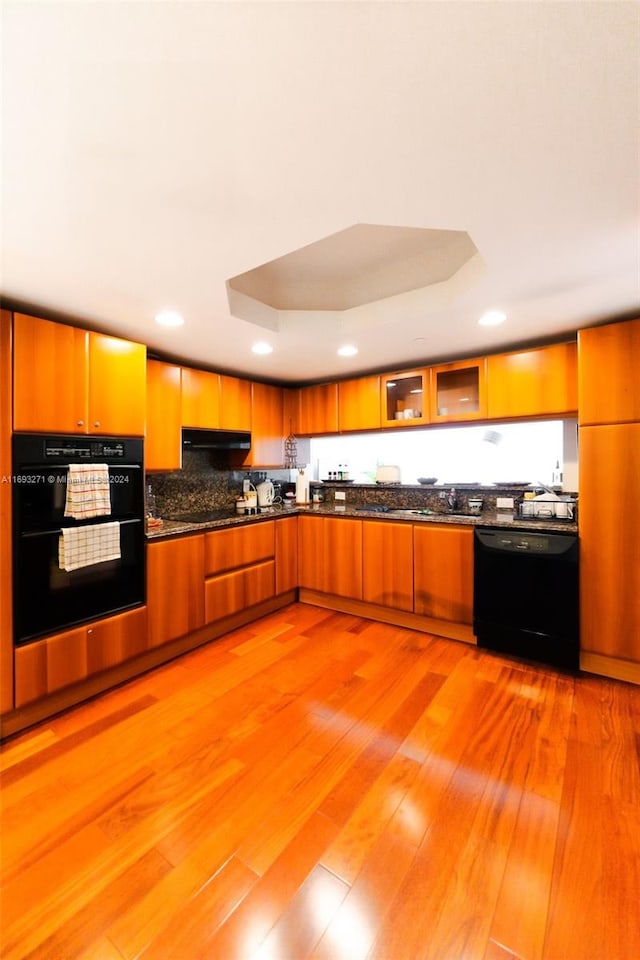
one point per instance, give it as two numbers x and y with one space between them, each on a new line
58 530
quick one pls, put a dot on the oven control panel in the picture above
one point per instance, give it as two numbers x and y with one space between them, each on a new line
84 449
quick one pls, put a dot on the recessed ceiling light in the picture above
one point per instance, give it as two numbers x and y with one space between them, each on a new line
262 348
347 351
169 318
492 318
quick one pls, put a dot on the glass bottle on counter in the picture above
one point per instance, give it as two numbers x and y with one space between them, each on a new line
150 503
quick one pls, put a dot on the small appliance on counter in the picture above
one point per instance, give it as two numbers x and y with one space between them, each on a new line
266 493
387 473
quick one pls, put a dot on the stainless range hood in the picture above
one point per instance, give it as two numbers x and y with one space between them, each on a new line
216 440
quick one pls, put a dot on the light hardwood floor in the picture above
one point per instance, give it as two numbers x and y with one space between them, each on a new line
317 785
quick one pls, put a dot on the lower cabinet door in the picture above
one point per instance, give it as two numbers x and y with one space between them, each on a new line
330 555
387 563
58 661
286 554
443 572
231 592
175 588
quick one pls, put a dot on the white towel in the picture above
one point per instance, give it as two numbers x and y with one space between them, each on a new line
88 492
83 546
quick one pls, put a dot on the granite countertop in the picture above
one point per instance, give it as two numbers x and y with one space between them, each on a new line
489 518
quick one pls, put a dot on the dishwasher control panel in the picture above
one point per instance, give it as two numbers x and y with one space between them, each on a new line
507 541
515 542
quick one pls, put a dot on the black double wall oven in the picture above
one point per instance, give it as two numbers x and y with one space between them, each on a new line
47 597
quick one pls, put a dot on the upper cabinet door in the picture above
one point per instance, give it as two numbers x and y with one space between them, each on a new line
200 399
49 376
458 391
318 409
163 445
117 386
531 383
235 403
359 404
267 444
608 368
404 398
85 383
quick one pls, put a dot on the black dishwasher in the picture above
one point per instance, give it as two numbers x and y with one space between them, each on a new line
526 595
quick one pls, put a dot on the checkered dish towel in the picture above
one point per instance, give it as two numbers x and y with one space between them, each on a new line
88 492
83 546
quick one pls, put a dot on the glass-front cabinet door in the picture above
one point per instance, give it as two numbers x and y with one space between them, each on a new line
405 398
458 391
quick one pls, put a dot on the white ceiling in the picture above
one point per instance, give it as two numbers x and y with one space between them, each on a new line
154 150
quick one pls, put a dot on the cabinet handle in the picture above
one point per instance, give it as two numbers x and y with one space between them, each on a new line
96 423
90 630
80 423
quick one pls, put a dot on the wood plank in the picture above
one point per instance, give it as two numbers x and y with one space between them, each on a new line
319 785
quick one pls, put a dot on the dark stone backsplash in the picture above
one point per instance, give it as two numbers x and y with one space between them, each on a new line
420 497
207 483
200 485
204 483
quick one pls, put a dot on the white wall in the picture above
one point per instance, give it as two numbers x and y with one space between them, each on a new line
502 452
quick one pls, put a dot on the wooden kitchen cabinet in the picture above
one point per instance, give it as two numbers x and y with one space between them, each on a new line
443 572
117 386
318 409
70 380
387 563
175 588
359 404
6 611
608 371
458 391
401 394
235 403
267 418
609 522
531 383
330 555
234 547
58 661
163 442
290 411
200 399
240 568
286 533
232 592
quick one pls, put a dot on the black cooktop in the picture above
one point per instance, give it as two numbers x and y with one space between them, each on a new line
203 516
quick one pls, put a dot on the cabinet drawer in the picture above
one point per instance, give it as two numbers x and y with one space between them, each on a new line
232 592
238 547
